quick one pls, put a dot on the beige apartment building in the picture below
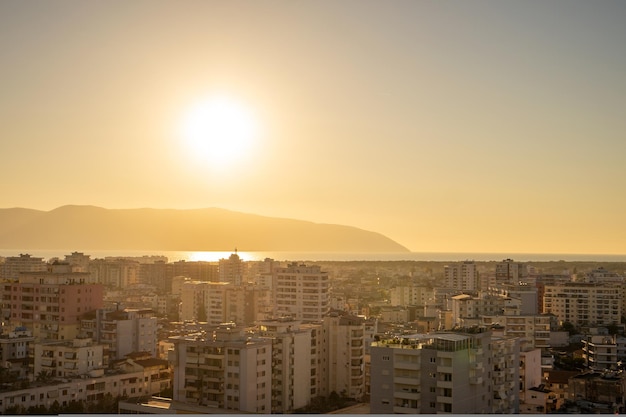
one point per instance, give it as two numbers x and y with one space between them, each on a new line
461 276
302 292
584 303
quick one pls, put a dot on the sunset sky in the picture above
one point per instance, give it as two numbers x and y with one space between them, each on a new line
448 126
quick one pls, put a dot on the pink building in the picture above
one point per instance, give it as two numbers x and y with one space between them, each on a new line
51 302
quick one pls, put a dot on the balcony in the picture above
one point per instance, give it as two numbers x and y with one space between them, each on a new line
413 366
475 380
405 380
407 395
445 369
405 410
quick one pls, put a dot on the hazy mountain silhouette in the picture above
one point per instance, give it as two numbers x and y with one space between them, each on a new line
210 229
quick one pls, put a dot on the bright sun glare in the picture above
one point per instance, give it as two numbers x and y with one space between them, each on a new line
219 131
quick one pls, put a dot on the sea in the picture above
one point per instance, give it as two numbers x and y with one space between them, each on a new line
214 256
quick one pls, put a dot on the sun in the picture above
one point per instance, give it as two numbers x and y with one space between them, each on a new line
219 131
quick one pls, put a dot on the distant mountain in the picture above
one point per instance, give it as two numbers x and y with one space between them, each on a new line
210 229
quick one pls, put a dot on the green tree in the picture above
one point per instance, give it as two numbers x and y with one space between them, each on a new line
55 408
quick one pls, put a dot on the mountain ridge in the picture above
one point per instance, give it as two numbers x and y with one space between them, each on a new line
203 229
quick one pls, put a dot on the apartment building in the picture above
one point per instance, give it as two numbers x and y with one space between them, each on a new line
467 310
440 373
505 375
510 272
67 359
302 292
410 295
221 302
345 355
602 352
12 266
115 272
90 389
226 370
15 344
541 280
525 293
461 276
533 330
584 303
122 331
51 302
232 270
530 370
296 374
78 261
157 372
603 276
599 392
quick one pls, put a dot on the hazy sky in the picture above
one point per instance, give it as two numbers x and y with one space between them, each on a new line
453 126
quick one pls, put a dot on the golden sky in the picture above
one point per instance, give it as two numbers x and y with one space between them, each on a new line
457 126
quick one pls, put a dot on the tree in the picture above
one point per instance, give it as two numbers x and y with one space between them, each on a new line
569 327
55 408
75 407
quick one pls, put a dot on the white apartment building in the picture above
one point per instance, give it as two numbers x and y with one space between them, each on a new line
227 371
461 276
296 373
526 294
67 359
505 375
122 331
603 276
302 292
584 303
410 295
467 310
602 352
90 389
530 371
15 344
12 266
533 331
439 373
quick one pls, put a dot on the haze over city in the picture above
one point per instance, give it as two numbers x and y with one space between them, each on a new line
455 126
